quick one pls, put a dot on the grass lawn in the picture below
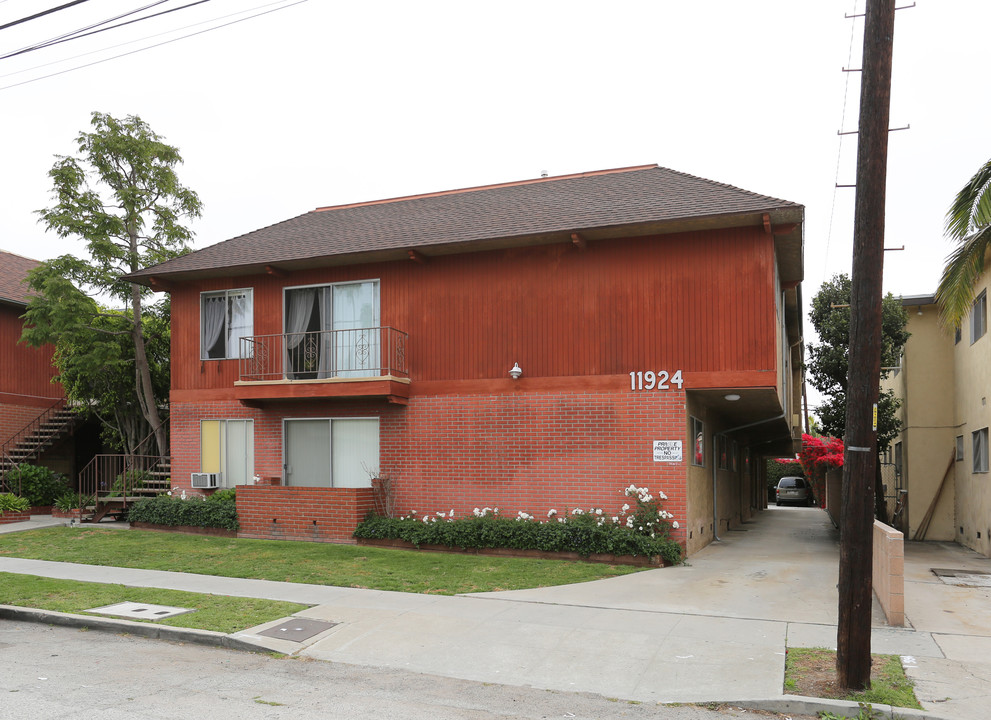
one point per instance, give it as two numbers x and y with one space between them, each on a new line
301 562
219 613
812 672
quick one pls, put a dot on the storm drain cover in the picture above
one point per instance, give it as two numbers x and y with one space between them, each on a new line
140 611
963 578
298 629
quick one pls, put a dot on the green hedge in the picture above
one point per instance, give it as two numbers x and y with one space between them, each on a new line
582 534
219 511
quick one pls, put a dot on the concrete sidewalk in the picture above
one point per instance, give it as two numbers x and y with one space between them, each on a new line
713 630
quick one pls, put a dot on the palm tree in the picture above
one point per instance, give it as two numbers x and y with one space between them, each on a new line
968 223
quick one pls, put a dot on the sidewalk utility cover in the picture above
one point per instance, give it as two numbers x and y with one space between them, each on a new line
298 629
963 578
140 611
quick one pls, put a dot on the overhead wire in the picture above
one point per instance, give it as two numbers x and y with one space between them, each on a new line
839 145
75 34
42 14
148 47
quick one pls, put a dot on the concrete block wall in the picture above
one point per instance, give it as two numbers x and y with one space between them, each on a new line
889 572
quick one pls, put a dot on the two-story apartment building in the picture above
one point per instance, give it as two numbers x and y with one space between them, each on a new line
26 388
529 346
942 452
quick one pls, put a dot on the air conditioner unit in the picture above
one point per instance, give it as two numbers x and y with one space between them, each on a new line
205 480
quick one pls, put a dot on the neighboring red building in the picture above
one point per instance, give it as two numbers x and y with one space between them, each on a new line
377 339
26 388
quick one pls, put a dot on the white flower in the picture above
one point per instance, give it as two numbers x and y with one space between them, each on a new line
615 519
598 511
675 525
441 515
426 518
551 513
626 506
452 512
183 494
496 511
577 511
662 496
629 522
169 493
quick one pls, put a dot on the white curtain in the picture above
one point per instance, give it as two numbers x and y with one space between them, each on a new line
241 322
355 451
212 323
297 320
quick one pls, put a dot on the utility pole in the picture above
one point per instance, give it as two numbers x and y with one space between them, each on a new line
853 641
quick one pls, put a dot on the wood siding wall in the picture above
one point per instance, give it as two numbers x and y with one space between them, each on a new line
699 302
25 372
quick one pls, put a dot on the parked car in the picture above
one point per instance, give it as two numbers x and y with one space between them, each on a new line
793 490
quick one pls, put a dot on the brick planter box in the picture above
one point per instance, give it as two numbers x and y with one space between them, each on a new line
66 514
11 516
185 529
637 561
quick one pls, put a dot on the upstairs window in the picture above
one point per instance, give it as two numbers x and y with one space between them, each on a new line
980 439
225 317
979 318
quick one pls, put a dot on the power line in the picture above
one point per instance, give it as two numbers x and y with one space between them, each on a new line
42 14
81 33
70 35
149 47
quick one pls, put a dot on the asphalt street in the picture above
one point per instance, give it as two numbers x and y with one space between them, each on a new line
61 673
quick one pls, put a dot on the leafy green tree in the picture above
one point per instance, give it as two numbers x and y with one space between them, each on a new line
829 361
968 223
121 196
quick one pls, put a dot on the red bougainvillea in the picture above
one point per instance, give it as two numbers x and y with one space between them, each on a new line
820 454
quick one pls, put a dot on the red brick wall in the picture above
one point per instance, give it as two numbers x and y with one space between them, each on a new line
15 417
301 513
529 451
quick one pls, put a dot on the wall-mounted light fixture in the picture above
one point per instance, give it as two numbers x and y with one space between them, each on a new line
516 371
732 397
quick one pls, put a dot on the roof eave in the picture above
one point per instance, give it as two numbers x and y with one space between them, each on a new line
788 246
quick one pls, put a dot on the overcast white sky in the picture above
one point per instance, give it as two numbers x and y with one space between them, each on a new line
321 103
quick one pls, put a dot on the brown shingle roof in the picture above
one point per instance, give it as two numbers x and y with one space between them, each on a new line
532 211
13 273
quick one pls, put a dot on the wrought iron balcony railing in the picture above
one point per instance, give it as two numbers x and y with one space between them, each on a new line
324 355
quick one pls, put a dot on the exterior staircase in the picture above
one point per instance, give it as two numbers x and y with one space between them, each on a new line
30 442
110 484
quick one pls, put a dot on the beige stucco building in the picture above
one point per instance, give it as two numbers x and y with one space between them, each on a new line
942 452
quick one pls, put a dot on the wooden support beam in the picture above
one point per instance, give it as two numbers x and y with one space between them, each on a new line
767 223
159 285
417 257
274 271
578 241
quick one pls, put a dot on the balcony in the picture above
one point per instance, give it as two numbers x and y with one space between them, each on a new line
355 363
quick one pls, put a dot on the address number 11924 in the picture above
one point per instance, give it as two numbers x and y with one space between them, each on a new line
650 380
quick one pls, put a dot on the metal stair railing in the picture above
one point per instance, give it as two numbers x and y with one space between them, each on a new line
111 483
31 440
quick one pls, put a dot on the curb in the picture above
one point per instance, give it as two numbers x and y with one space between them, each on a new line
801 705
130 627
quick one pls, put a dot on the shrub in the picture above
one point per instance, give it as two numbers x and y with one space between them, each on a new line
38 485
128 480
71 501
639 531
194 512
12 503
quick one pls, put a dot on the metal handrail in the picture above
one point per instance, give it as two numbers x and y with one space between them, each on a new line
23 434
324 354
119 479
